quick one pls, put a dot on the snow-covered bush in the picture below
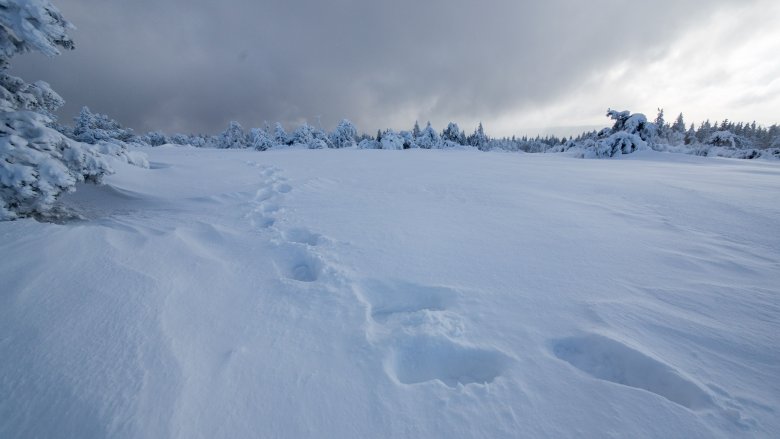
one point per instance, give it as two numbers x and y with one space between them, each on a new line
37 163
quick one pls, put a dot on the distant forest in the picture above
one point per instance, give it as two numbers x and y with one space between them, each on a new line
628 133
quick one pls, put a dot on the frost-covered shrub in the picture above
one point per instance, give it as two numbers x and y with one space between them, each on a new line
37 162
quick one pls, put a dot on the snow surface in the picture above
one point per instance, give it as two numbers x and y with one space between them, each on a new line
368 293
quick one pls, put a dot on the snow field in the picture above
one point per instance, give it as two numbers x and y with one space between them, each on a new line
384 294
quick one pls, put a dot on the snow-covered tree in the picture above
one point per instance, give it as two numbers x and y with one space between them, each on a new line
154 138
280 136
37 163
303 136
392 140
679 125
369 144
415 130
409 141
662 128
690 136
451 133
260 140
478 139
453 136
92 128
197 140
233 137
428 138
344 135
321 139
179 139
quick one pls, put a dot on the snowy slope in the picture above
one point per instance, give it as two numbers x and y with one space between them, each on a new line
361 294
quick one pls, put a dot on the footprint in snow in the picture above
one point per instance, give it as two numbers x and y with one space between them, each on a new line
422 335
297 263
302 236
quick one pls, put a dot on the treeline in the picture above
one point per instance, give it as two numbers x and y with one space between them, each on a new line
629 133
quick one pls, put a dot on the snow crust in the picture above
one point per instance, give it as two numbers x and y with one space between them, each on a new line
370 293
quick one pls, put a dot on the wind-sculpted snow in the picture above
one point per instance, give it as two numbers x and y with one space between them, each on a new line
610 360
369 293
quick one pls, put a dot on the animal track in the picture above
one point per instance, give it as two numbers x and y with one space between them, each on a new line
607 359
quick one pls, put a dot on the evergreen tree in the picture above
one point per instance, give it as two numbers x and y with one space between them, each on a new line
260 140
344 135
452 134
679 125
37 163
92 128
428 138
416 130
232 137
280 136
478 139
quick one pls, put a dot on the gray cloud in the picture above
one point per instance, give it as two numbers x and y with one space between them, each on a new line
193 65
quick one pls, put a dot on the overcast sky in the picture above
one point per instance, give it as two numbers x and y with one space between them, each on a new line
521 67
